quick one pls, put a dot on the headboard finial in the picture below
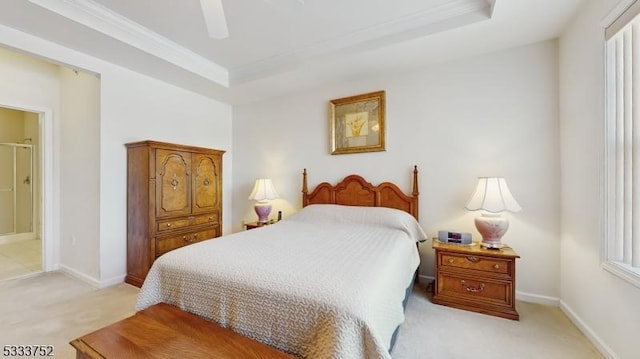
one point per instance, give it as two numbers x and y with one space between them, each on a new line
305 190
304 181
415 181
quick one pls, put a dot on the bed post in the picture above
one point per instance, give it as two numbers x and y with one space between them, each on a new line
304 188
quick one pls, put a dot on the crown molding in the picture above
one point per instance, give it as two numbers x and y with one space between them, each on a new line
101 19
404 28
112 24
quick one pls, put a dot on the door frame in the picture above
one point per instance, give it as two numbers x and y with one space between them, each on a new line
47 196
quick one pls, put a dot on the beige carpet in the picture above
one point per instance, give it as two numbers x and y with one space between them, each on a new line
435 331
52 308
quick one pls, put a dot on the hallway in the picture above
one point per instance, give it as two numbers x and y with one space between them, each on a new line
20 258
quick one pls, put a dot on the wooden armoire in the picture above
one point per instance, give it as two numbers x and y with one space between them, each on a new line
174 198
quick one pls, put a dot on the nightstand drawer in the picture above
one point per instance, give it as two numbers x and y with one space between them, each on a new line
480 263
475 289
164 245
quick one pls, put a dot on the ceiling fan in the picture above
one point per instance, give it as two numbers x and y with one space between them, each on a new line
215 19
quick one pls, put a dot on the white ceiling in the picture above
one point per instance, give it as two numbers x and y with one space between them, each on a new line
280 46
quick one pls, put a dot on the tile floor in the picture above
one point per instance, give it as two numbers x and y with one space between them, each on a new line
20 258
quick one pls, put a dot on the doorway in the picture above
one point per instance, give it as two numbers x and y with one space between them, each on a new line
20 231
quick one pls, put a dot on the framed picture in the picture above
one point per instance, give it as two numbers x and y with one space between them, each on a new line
357 123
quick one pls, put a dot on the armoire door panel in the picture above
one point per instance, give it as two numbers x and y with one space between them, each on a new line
206 183
173 183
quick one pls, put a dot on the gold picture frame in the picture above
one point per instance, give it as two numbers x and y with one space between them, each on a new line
357 123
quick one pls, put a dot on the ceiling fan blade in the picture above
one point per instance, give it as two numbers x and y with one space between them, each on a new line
214 18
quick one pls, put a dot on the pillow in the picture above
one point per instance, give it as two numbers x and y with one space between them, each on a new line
375 216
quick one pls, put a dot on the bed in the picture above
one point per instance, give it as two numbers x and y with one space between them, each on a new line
327 282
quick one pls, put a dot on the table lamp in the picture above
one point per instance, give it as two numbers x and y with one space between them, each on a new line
263 191
493 197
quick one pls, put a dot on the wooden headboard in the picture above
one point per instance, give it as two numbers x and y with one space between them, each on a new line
354 190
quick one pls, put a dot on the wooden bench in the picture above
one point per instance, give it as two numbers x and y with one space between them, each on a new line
165 331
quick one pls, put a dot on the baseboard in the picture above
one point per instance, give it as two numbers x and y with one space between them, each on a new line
425 279
77 275
537 298
112 281
588 332
90 280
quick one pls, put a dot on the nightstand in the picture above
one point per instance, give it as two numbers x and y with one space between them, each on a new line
252 225
476 279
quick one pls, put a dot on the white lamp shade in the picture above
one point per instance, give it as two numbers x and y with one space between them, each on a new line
263 190
493 195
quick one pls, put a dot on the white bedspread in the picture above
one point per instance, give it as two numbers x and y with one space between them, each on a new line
310 286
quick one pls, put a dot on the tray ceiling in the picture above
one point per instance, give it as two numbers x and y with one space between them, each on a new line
267 39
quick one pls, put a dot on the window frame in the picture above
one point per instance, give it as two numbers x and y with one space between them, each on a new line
617 216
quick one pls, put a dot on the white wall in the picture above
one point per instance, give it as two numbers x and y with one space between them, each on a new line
11 125
132 107
492 115
605 306
135 108
80 171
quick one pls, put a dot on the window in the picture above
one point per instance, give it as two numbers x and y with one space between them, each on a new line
622 146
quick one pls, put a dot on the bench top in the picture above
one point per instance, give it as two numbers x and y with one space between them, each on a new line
163 331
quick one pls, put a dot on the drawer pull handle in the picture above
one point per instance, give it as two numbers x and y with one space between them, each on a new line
451 261
211 218
472 289
186 239
473 259
168 224
496 266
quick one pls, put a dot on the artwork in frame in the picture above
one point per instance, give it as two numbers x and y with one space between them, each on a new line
357 123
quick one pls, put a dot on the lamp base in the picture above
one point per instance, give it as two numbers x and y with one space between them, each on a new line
492 226
262 210
491 245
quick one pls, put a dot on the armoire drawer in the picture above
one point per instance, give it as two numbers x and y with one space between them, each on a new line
166 244
181 222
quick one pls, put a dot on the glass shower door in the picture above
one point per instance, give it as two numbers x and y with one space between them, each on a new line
7 194
23 189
